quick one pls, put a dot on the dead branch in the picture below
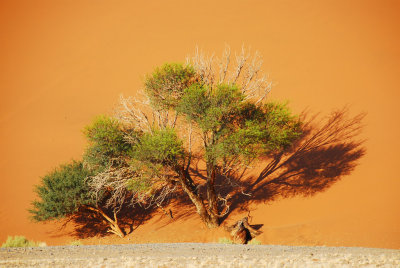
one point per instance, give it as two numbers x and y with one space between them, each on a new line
242 232
244 72
140 116
114 181
130 113
225 205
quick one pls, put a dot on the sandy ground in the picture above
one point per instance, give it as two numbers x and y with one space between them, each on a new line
198 255
63 62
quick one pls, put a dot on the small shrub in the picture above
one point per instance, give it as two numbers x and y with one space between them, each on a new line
21 241
76 243
224 240
254 242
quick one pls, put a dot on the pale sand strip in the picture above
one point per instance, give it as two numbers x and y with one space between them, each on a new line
198 255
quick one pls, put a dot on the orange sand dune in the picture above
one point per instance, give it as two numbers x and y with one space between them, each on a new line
64 62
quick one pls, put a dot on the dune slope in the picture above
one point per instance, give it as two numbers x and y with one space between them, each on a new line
64 62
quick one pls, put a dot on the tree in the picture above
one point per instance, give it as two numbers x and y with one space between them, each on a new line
197 131
195 115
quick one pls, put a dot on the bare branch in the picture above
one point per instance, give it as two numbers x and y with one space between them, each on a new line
240 63
129 113
113 180
224 64
245 72
224 205
189 145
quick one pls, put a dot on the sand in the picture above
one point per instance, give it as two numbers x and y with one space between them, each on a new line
64 62
198 255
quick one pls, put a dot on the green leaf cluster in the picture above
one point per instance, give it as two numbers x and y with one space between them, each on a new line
166 84
141 185
257 131
270 127
107 143
281 126
162 147
234 127
151 155
212 109
62 192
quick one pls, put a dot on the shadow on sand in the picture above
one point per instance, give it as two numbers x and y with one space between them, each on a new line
328 150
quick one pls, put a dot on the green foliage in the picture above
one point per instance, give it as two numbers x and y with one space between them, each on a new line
75 243
142 185
166 84
260 131
254 242
281 126
62 192
151 156
231 126
224 240
107 144
237 127
210 110
162 147
21 241
194 103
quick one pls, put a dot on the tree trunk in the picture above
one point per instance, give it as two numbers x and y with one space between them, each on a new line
211 196
210 220
114 227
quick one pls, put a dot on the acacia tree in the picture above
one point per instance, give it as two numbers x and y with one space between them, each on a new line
210 111
198 129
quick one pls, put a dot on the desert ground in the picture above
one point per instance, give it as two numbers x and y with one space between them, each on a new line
63 62
198 255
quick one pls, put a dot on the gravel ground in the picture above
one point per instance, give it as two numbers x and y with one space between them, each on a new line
197 255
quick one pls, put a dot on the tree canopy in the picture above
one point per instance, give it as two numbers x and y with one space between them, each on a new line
220 119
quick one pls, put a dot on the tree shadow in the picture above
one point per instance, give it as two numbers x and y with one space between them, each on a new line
328 150
180 207
88 224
